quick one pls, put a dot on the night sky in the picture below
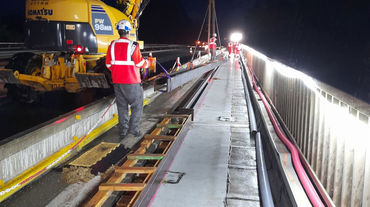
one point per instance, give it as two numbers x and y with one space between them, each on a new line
328 39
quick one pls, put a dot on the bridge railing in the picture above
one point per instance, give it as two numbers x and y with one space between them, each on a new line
11 46
331 128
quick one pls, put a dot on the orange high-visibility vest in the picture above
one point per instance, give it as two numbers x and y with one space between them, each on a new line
124 60
212 43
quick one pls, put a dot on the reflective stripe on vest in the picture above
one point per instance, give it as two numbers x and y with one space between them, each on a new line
212 41
119 62
141 63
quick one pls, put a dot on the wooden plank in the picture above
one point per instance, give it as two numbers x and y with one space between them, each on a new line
94 155
122 186
101 196
170 126
138 156
176 115
122 201
141 170
159 137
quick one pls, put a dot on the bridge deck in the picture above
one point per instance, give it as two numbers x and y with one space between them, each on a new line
217 156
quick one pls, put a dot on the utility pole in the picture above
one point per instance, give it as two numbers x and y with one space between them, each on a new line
213 17
209 18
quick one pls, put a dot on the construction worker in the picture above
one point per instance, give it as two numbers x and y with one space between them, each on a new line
124 60
230 48
212 46
237 49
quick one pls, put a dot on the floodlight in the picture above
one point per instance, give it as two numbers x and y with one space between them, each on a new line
236 36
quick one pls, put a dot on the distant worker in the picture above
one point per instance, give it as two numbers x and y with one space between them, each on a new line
237 49
230 48
124 60
213 46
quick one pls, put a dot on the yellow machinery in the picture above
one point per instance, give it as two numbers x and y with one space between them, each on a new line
76 35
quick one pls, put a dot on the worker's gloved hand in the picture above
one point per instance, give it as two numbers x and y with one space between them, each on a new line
152 63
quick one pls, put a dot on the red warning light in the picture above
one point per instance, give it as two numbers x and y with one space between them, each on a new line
78 49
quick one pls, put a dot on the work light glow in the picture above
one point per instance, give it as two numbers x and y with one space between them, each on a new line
236 37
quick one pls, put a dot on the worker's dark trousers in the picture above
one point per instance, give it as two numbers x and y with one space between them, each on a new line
129 94
213 54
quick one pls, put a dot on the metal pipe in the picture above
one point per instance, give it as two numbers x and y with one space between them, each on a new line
252 119
263 180
262 174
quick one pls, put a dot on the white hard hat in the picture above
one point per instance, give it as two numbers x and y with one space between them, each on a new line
214 34
124 25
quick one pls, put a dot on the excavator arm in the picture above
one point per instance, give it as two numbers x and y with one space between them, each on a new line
132 8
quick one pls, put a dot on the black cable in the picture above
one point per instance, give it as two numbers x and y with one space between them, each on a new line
201 29
218 31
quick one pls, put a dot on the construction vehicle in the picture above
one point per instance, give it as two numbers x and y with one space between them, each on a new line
73 36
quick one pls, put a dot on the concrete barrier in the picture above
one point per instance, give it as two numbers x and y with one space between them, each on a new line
24 151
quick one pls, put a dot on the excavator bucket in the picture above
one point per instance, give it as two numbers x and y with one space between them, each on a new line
92 80
7 76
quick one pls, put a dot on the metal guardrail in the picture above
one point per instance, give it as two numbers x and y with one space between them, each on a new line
331 128
178 80
11 46
162 46
8 49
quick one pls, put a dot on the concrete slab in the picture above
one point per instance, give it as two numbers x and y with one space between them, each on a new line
203 156
243 184
241 203
242 172
217 155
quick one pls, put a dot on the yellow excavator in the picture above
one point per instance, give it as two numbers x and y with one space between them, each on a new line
73 36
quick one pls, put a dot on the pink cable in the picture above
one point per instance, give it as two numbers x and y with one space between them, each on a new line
307 185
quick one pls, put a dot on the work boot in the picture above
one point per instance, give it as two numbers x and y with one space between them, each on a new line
123 134
137 133
129 140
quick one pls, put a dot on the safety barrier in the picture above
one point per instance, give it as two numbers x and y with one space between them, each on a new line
25 157
24 151
331 128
